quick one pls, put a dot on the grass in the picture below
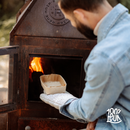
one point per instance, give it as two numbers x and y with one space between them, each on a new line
5 28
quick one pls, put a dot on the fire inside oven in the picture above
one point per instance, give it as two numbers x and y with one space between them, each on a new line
68 67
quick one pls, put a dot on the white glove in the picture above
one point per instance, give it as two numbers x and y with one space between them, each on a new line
56 100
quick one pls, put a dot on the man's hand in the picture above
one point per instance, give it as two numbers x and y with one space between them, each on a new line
91 125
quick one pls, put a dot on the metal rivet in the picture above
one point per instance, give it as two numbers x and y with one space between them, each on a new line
27 128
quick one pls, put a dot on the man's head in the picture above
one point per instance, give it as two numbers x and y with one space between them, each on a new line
71 5
84 14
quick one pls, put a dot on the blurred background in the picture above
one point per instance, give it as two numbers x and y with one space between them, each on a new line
9 9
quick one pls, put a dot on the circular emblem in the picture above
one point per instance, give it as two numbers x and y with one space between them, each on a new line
53 14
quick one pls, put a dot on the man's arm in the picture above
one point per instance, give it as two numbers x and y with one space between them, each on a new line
104 84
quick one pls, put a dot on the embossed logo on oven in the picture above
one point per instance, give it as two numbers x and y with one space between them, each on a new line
53 14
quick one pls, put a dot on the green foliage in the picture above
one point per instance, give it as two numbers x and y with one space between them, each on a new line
126 3
9 8
8 11
5 28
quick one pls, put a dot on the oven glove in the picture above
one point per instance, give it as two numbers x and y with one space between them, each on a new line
56 100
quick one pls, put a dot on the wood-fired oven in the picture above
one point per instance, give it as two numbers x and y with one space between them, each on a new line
42 33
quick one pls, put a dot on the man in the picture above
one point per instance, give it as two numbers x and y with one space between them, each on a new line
106 97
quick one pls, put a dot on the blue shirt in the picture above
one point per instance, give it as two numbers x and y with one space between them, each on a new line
107 75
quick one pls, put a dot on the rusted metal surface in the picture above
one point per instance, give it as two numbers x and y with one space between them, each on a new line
80 44
9 50
21 18
3 121
39 21
49 124
46 50
53 14
13 120
22 9
7 108
41 111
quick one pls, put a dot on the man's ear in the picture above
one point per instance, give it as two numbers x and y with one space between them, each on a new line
79 15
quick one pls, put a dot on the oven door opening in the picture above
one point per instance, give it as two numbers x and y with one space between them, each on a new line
68 67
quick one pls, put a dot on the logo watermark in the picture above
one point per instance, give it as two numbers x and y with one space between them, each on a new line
113 115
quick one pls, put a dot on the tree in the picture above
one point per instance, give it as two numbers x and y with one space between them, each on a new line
126 3
10 7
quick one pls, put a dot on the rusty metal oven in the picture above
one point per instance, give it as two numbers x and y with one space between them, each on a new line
42 32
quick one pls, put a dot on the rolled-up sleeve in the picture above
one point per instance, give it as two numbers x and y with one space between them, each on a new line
103 86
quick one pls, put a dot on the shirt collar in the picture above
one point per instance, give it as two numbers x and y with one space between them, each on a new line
110 20
98 25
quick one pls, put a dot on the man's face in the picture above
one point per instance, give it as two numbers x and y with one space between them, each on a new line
84 29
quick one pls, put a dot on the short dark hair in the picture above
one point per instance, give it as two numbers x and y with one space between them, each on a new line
71 5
